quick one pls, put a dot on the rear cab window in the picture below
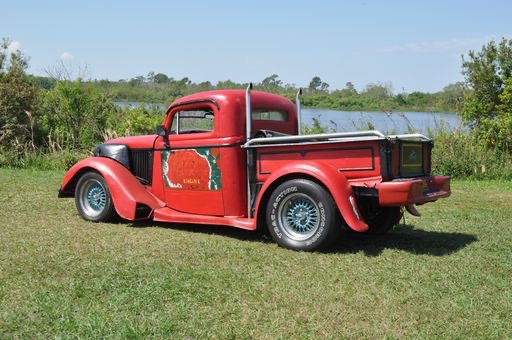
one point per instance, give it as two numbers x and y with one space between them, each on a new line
274 115
273 119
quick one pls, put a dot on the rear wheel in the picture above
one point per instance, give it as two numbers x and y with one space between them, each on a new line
93 200
301 215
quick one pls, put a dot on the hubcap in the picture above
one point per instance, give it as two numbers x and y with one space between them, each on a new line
299 216
93 197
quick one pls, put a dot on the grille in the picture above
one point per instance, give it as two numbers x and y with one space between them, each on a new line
142 165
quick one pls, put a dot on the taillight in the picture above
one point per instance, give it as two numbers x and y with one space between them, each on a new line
411 159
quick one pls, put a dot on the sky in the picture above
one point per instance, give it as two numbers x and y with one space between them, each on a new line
412 45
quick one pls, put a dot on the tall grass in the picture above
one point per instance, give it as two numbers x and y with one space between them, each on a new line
40 159
455 154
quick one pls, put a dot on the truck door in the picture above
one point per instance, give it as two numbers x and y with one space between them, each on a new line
191 167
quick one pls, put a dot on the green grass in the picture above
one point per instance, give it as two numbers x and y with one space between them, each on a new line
446 275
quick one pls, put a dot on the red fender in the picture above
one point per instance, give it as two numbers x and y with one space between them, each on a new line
125 189
332 179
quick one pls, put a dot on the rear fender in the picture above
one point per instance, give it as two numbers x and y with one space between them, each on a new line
125 189
335 182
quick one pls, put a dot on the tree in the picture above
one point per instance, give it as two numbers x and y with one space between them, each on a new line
17 97
324 87
160 78
151 77
203 86
486 107
350 87
316 84
378 91
228 84
76 113
271 82
450 98
348 91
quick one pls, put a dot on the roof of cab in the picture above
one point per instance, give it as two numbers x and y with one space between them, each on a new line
223 97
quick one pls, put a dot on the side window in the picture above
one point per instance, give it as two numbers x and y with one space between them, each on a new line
193 121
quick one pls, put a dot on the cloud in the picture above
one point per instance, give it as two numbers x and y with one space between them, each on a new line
66 56
14 46
449 45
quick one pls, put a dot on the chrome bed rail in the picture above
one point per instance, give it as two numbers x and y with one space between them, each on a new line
412 136
355 136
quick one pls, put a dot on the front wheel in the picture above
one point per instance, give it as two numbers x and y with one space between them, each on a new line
93 200
301 215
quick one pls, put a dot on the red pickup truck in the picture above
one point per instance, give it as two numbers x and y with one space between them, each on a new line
237 158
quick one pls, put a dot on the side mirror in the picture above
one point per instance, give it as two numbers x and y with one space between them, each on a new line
162 132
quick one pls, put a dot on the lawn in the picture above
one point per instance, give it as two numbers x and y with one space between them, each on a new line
447 274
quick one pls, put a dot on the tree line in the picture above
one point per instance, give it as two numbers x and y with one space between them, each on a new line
162 89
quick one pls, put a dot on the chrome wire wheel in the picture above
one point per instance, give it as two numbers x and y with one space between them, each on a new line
93 200
299 216
93 197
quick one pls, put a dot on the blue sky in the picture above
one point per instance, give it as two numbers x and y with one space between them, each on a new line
414 45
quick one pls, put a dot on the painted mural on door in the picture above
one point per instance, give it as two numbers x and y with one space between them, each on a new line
192 169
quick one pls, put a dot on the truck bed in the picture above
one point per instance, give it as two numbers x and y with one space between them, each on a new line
359 155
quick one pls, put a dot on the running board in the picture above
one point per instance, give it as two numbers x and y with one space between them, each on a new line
167 214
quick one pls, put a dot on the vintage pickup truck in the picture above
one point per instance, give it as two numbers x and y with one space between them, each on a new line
237 158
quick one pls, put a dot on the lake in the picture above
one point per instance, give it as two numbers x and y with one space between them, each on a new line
343 121
396 122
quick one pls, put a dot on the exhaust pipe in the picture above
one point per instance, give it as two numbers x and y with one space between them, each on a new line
248 120
297 103
248 117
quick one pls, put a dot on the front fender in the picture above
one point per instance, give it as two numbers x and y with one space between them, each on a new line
125 189
335 182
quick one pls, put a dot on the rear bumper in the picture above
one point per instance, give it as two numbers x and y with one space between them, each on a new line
403 192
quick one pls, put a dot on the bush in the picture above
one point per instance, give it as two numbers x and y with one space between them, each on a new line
76 113
135 121
456 154
487 106
18 96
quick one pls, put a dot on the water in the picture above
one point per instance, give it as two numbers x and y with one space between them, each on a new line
344 121
391 122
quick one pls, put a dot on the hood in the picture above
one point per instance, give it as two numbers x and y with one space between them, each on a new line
135 142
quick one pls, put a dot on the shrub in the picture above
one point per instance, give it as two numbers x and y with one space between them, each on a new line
456 154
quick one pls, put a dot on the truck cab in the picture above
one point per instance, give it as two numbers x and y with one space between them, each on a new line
237 158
